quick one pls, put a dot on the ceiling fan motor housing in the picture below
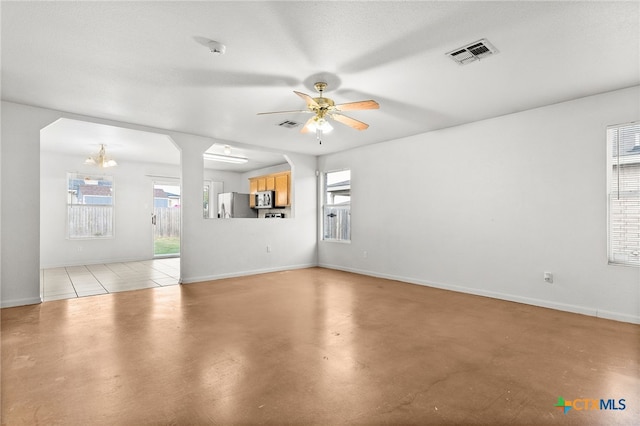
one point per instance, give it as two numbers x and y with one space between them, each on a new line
324 105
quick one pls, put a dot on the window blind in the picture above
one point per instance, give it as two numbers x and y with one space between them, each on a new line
624 194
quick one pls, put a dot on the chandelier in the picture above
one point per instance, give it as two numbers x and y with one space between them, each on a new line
101 160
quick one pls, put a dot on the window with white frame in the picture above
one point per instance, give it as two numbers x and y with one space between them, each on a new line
89 206
623 186
336 209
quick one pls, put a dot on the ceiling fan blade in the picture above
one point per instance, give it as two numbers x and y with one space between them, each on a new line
352 122
305 129
283 112
308 99
352 106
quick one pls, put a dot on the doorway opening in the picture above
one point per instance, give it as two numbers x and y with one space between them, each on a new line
165 219
95 236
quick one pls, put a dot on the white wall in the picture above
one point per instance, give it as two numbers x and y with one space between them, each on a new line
233 247
232 181
209 248
488 207
20 192
483 208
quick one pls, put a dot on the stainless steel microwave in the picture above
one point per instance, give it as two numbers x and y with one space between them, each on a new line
265 199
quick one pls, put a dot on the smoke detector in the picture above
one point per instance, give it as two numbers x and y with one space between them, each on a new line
472 52
216 47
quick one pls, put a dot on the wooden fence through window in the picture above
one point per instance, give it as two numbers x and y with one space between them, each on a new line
167 222
90 221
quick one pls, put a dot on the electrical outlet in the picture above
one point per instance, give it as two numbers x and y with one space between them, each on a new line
268 249
364 254
548 277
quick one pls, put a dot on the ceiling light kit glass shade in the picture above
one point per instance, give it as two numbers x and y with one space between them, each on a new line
320 126
224 158
101 160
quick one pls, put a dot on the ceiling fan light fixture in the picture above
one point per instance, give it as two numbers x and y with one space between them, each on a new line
325 108
224 158
320 124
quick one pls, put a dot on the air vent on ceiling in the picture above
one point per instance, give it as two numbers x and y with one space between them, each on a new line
288 124
472 52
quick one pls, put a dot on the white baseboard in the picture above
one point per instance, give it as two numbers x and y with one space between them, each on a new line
190 280
577 309
616 316
20 302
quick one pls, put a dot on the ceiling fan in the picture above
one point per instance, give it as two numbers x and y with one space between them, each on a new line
325 108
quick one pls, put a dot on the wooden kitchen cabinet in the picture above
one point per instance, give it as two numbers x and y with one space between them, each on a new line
278 182
262 184
282 189
270 183
253 188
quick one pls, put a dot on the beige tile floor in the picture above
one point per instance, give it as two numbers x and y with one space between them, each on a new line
89 280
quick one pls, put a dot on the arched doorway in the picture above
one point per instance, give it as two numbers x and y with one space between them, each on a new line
96 233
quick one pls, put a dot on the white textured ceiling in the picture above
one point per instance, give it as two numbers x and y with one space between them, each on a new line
147 63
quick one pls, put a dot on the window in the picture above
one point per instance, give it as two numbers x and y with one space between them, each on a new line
207 211
337 206
623 185
89 206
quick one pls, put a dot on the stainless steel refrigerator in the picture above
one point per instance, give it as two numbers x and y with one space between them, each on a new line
234 204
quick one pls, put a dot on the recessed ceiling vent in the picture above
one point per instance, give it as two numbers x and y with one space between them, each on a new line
472 52
289 124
